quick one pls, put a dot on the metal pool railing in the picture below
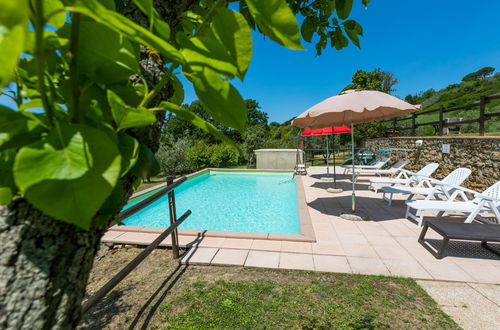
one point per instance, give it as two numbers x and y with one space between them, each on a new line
171 230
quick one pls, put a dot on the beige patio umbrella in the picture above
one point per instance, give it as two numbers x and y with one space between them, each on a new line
353 107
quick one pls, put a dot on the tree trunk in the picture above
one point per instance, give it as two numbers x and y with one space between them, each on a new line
45 263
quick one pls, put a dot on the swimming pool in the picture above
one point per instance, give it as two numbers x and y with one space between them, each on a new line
253 202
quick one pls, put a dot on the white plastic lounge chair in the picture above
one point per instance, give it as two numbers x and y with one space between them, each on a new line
377 166
444 187
389 172
407 178
488 201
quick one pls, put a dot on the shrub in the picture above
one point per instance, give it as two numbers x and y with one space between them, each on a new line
202 155
172 158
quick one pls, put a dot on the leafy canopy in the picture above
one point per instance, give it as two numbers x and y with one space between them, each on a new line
71 158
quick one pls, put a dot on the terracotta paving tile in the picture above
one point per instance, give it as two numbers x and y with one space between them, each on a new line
351 239
266 245
199 256
214 242
137 238
389 252
344 226
480 272
296 261
443 270
265 259
354 250
327 248
237 243
372 229
396 228
336 264
110 236
386 241
296 247
230 257
406 268
367 266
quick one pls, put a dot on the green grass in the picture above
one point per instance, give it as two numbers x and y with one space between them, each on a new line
272 299
154 181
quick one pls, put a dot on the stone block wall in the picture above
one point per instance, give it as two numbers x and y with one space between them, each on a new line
480 154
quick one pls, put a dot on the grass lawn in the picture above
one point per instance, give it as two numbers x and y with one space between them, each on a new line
159 294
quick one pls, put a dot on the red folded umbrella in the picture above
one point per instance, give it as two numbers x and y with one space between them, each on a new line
327 130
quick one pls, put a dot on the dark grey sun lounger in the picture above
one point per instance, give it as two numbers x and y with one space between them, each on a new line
463 231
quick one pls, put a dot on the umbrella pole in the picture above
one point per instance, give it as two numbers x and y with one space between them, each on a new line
327 158
353 169
334 165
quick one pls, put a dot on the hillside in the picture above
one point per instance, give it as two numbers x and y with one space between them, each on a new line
456 95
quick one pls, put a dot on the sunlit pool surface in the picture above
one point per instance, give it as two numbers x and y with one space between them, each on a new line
229 201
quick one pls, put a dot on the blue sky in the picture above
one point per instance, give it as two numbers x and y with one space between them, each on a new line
426 44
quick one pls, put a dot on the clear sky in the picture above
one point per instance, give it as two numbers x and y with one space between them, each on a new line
425 43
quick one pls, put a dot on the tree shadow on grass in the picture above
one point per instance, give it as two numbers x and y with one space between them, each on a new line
157 298
102 314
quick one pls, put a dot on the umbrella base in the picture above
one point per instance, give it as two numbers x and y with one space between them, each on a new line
351 215
335 190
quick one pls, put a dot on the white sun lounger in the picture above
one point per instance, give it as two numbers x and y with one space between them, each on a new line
444 187
389 172
486 202
407 178
377 166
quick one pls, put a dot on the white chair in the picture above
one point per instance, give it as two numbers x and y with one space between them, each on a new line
377 166
444 187
407 178
486 202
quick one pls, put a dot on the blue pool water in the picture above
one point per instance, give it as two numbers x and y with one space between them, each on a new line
229 201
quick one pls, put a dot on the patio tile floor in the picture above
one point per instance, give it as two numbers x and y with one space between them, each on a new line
384 245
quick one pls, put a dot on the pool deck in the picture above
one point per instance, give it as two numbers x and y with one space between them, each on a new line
384 245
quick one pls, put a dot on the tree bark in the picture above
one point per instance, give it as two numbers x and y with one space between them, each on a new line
45 263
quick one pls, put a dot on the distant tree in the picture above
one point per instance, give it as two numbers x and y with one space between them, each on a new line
374 80
479 74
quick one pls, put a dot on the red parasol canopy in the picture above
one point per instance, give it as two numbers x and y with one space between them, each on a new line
327 130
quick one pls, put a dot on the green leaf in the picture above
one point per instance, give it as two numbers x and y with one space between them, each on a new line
178 96
104 55
277 21
198 122
220 99
160 27
232 30
13 35
344 8
205 52
129 149
69 174
126 116
129 29
353 29
307 29
17 129
50 6
7 185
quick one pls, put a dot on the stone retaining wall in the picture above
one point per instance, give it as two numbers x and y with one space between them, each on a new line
480 154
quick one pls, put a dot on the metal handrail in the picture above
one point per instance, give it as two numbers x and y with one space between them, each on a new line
96 297
131 210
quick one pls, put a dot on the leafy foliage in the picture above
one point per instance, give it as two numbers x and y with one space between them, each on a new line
71 159
479 74
376 80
